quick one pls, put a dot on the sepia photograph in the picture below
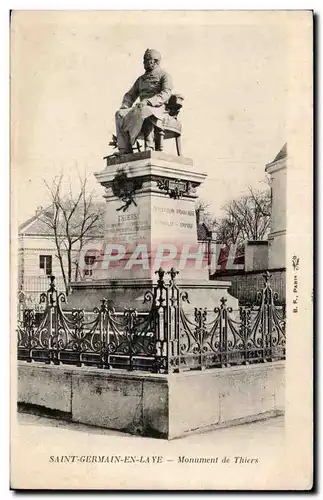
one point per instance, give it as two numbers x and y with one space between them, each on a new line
161 250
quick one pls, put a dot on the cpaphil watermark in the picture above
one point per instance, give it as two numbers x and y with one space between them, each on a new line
211 256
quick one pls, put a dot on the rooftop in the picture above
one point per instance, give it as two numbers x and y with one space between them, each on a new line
282 153
40 223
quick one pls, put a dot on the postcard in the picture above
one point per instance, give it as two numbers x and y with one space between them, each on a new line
161 250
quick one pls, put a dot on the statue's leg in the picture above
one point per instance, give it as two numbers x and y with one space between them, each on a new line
178 145
149 134
123 139
159 139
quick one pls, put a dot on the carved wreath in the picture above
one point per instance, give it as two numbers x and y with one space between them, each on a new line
125 188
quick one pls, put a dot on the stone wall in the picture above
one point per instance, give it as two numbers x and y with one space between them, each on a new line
134 403
223 397
245 285
164 406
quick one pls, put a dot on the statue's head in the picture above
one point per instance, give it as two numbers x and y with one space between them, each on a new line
151 59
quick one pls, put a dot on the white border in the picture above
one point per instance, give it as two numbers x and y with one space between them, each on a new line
4 184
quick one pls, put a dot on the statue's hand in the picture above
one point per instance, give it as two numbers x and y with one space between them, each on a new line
142 104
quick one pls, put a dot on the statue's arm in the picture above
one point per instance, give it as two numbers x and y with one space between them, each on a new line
166 91
130 96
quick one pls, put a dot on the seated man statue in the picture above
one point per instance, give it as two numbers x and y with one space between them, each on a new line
154 89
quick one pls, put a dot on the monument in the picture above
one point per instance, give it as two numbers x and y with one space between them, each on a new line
152 341
150 219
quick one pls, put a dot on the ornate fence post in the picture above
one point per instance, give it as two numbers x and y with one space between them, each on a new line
103 325
173 312
223 333
200 316
166 304
269 305
130 330
108 334
160 303
101 312
159 319
275 324
266 305
50 298
160 322
268 329
25 334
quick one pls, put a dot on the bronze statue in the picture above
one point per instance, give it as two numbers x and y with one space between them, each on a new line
149 117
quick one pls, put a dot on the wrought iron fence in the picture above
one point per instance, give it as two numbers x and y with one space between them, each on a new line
167 338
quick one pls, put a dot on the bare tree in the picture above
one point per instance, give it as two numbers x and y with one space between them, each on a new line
245 218
73 221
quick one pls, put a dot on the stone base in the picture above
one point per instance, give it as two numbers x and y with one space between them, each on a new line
157 226
164 406
130 294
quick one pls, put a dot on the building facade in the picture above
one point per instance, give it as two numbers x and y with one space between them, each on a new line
38 259
260 256
277 237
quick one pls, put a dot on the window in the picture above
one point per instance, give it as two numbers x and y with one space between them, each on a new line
89 261
45 262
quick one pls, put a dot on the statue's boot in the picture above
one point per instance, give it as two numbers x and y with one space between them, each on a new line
123 138
149 135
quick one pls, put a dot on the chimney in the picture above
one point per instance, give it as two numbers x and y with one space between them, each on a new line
39 210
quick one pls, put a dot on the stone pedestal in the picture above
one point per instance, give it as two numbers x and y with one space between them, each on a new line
158 228
150 222
130 294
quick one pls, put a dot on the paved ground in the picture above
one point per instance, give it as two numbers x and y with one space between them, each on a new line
271 430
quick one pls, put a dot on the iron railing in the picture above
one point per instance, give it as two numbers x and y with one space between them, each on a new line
171 337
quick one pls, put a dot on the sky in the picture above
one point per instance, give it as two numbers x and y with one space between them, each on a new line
70 70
